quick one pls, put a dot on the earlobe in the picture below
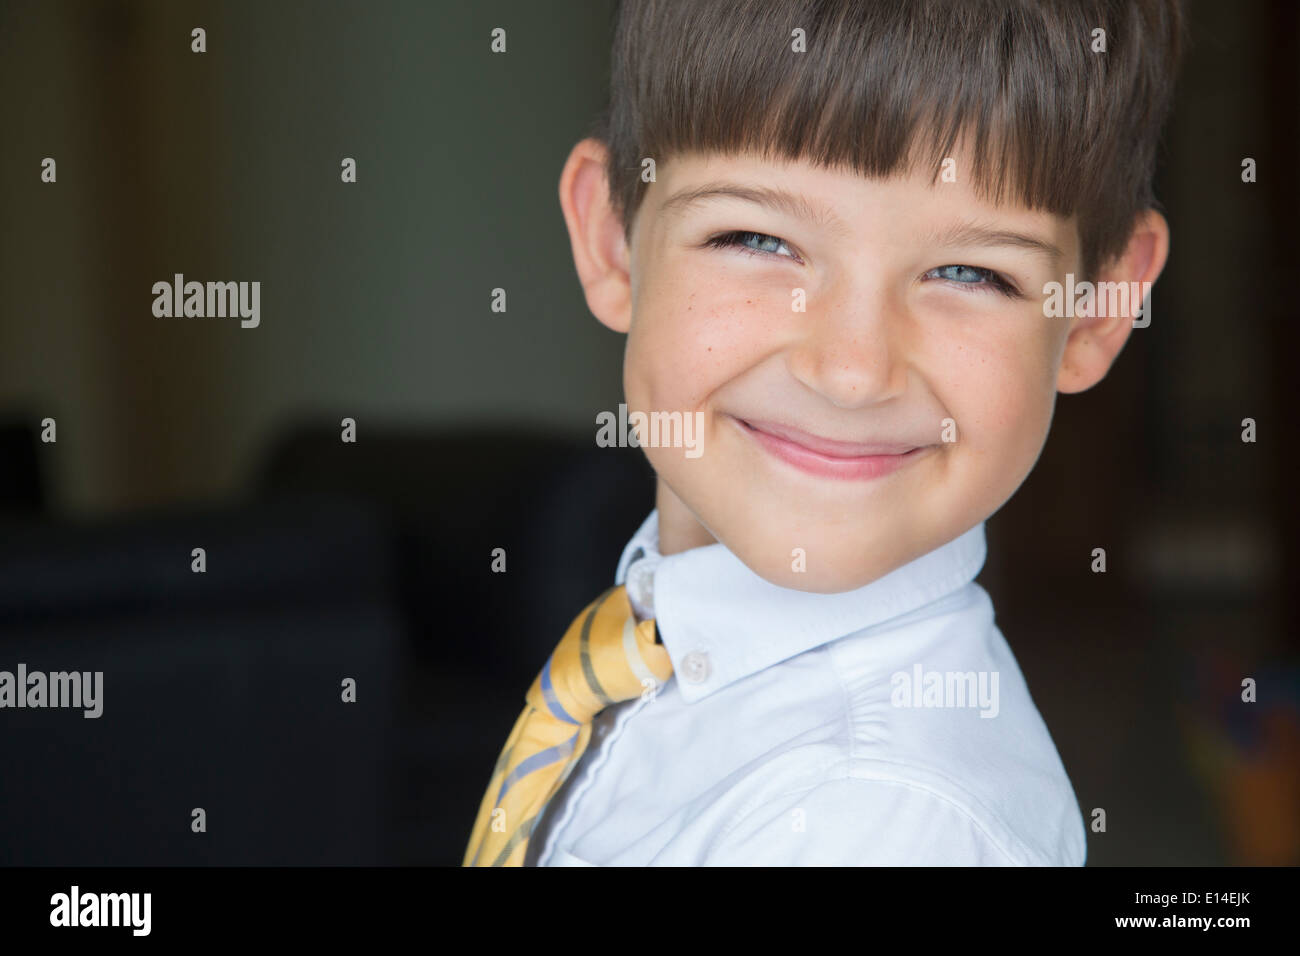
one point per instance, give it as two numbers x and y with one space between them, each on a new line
596 237
1094 341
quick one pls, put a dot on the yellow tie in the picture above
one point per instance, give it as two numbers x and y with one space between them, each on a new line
604 657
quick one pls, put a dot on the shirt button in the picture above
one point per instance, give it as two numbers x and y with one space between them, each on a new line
695 667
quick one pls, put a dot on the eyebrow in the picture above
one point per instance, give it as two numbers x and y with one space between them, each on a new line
977 234
801 207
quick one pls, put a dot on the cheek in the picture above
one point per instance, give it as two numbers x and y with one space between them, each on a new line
998 386
688 339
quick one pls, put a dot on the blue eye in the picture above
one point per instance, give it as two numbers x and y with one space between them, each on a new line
755 243
976 278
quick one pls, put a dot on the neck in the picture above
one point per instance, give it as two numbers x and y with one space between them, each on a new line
679 529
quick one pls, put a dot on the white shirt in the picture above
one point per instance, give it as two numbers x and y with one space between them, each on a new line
782 737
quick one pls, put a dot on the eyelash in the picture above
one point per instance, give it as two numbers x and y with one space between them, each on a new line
992 282
734 239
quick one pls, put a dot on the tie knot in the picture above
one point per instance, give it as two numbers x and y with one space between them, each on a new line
604 657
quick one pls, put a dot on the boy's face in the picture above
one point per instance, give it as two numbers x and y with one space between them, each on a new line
902 405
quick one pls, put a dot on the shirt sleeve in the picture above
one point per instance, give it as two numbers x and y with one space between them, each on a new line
858 822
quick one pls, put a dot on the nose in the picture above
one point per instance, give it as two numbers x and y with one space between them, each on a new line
850 350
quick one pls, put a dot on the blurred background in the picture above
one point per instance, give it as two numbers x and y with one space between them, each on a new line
371 560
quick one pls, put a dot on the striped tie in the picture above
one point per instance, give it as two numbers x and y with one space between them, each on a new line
604 657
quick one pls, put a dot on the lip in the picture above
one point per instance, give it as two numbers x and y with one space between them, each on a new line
830 458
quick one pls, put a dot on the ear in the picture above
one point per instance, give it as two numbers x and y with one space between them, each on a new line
1094 341
596 234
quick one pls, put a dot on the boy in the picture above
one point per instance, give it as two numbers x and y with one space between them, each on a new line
839 261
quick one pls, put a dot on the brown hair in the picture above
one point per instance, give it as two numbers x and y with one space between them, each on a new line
885 83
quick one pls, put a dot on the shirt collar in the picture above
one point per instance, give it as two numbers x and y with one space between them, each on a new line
720 622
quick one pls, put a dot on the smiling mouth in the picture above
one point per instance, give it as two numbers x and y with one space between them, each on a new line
830 458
